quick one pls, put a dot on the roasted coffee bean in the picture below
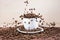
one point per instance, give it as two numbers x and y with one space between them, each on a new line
40 21
21 18
42 24
15 21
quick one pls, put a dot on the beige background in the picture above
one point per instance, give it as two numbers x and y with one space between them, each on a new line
50 9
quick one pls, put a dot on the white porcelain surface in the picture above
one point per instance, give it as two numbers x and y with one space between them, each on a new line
33 24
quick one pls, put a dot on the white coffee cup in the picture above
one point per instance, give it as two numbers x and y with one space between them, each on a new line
30 23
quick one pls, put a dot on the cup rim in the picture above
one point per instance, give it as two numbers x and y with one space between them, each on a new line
27 18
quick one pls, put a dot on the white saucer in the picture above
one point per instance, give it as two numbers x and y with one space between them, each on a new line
31 32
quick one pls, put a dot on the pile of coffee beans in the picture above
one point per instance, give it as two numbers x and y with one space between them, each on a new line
12 34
